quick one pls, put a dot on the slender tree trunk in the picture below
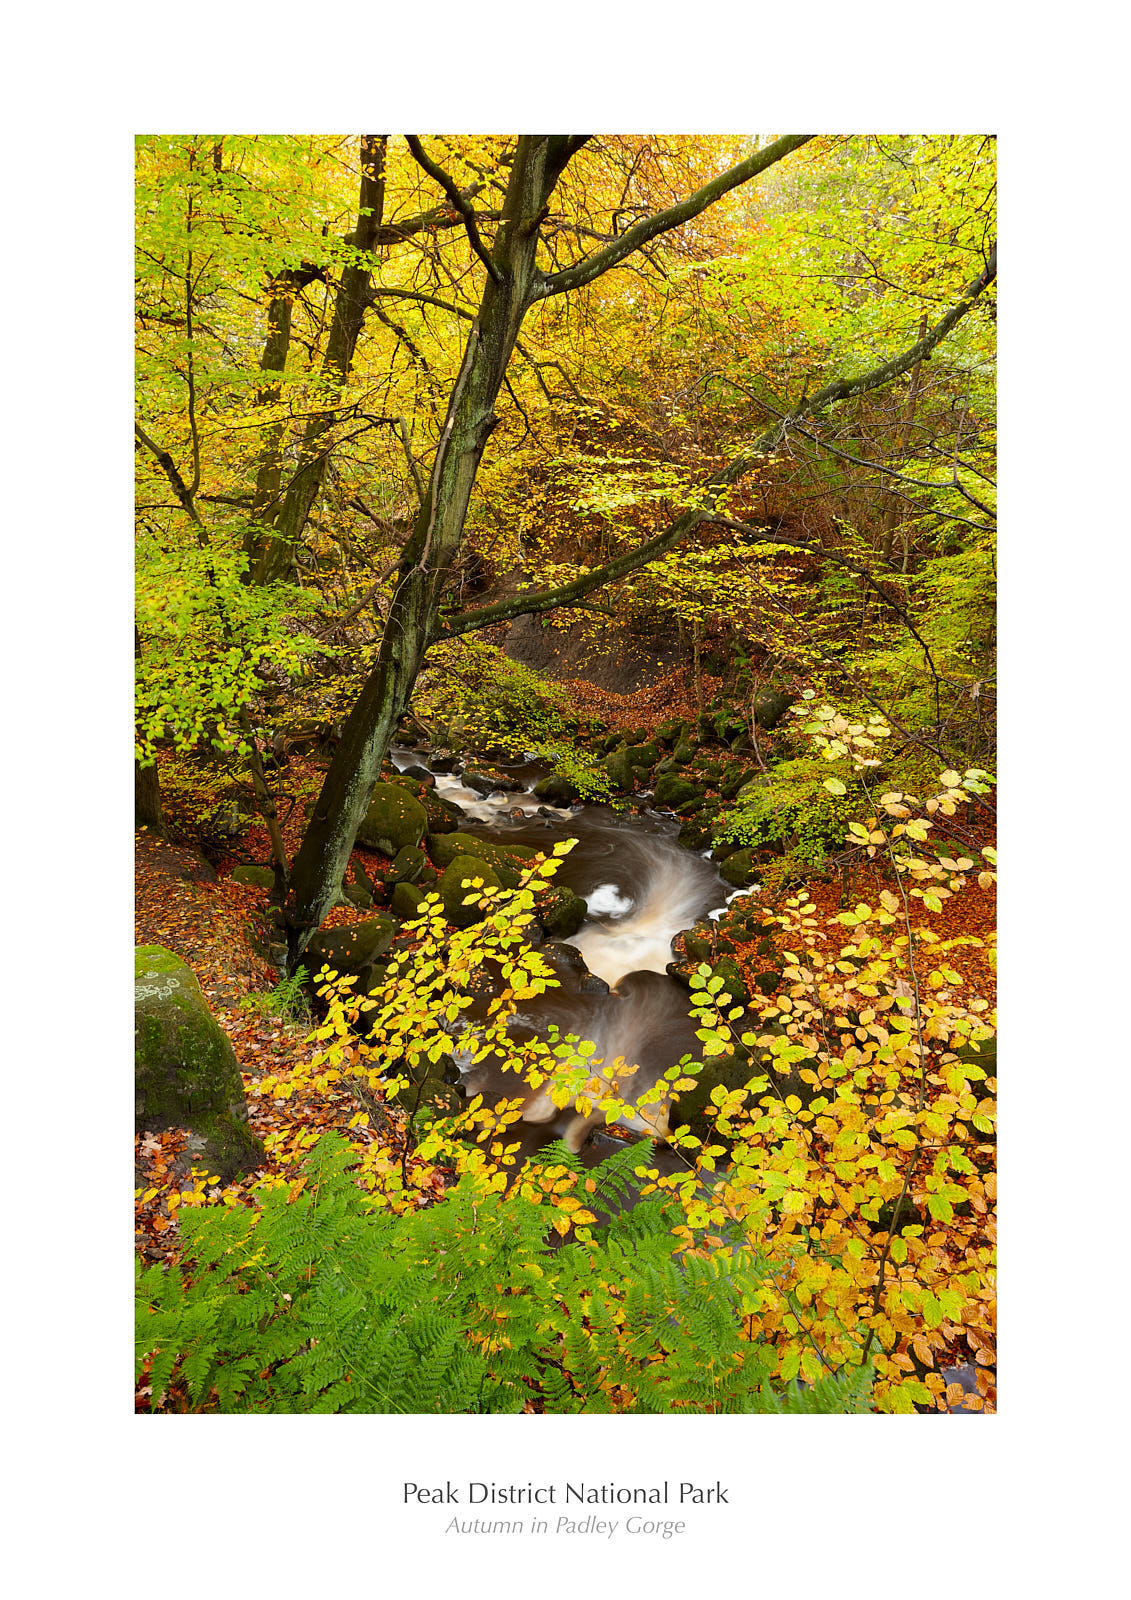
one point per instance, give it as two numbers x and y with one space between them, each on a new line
894 511
273 551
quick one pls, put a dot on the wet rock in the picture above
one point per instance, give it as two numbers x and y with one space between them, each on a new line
422 776
562 912
557 789
395 818
185 1071
485 783
592 984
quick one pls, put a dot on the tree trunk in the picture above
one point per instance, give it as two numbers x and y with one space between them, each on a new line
148 810
272 552
435 540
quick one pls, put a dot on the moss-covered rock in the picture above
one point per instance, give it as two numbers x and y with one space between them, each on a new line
619 768
557 789
694 834
456 883
644 755
562 912
444 816
507 863
771 706
432 1086
351 949
734 984
673 791
684 753
408 864
672 732
739 869
260 877
395 818
407 900
733 780
689 1107
185 1071
357 895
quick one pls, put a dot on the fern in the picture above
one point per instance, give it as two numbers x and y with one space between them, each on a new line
315 1303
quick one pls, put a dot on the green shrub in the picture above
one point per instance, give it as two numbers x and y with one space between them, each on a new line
794 813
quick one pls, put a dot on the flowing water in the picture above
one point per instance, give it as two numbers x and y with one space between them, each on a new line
641 888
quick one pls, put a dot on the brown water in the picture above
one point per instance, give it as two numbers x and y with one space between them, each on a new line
641 887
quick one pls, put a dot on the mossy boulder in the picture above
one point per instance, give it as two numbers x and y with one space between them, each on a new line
734 780
432 1086
351 949
674 791
259 877
557 789
621 772
644 755
444 816
562 912
734 984
407 900
395 818
771 706
684 753
739 869
671 733
456 884
506 863
185 1071
694 833
358 895
408 864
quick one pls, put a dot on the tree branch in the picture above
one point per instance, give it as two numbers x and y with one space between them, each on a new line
592 266
632 560
459 203
847 388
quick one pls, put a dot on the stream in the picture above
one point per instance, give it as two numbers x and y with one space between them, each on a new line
641 887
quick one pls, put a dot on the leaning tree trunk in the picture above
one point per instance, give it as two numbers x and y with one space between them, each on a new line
321 861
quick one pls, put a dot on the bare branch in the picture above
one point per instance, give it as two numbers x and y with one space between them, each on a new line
459 203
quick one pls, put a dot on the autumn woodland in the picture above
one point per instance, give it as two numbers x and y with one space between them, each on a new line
565 777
